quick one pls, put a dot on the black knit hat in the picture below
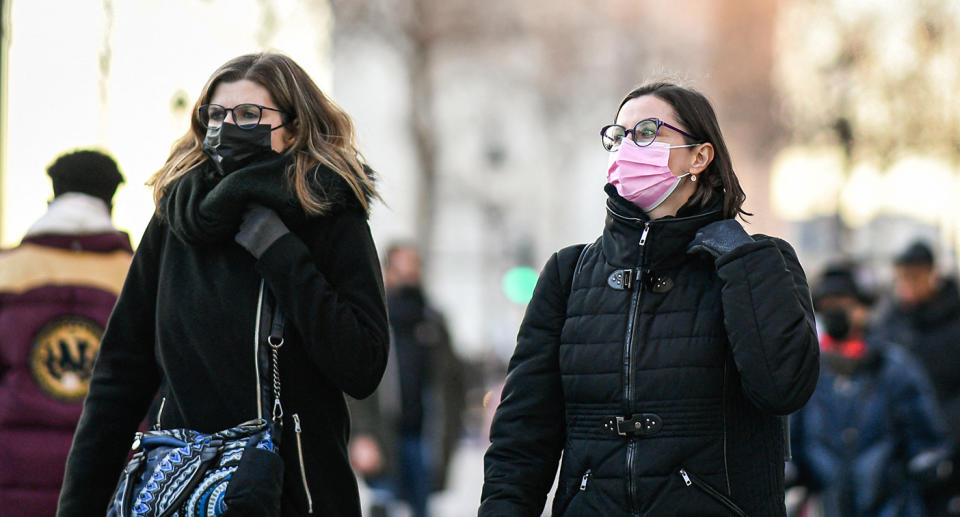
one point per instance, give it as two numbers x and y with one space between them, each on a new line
917 254
840 280
88 172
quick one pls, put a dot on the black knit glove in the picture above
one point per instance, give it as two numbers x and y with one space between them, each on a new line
259 229
719 238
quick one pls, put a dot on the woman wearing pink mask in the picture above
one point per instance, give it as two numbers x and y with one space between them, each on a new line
658 359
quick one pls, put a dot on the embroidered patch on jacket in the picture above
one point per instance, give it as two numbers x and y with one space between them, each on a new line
62 355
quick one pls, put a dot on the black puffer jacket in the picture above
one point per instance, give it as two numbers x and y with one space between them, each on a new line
708 353
187 315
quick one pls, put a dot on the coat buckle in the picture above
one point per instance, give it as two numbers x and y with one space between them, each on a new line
641 424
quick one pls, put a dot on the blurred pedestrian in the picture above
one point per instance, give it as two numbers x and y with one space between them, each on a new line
56 292
924 315
263 201
659 358
872 436
405 446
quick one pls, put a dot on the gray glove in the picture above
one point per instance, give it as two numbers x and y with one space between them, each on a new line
719 238
259 229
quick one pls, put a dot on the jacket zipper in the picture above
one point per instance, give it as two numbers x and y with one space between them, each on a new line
585 479
691 480
303 469
723 411
629 344
163 402
256 349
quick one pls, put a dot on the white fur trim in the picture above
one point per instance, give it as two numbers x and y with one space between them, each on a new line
74 213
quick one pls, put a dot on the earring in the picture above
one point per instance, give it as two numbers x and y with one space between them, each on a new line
693 177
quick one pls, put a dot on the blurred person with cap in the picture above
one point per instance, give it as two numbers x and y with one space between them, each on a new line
872 436
57 289
924 315
404 436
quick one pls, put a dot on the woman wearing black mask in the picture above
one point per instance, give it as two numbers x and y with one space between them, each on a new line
263 201
658 358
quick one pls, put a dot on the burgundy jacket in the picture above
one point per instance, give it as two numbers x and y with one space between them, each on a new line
56 293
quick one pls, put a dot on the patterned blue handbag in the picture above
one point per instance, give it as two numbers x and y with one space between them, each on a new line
180 472
186 473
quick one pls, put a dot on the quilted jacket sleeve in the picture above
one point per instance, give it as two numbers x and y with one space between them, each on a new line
769 321
527 433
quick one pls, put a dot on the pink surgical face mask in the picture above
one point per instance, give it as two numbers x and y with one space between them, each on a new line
641 175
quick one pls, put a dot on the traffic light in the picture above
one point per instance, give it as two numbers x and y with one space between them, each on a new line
518 283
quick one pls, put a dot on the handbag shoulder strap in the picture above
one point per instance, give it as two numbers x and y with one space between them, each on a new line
275 340
266 358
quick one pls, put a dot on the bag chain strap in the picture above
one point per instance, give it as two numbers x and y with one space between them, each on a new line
275 340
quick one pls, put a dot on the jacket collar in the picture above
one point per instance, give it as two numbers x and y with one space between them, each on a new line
872 361
665 240
96 242
74 213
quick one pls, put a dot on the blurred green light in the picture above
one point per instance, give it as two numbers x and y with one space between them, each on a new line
518 283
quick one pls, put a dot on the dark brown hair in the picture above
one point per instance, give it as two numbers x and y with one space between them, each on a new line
694 111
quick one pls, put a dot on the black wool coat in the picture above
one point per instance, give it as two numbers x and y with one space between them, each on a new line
187 316
707 353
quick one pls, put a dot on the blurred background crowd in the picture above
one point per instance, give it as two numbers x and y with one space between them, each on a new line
482 121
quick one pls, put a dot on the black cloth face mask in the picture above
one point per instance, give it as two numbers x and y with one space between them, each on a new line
232 148
836 323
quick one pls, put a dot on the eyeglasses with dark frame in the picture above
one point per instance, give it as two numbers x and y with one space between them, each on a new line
643 134
245 116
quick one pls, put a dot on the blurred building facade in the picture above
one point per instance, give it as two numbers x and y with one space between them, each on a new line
842 116
870 101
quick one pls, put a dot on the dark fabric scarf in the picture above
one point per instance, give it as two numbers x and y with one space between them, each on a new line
202 208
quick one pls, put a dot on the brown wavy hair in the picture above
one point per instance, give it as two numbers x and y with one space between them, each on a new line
323 132
694 111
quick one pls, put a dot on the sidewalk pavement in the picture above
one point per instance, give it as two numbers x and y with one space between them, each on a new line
462 497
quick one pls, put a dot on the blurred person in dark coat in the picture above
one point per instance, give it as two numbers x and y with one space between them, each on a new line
924 315
57 289
872 436
405 435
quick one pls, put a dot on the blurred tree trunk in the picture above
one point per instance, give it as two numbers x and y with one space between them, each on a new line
411 26
422 39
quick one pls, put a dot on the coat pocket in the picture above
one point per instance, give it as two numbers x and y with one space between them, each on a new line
569 491
687 495
690 480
